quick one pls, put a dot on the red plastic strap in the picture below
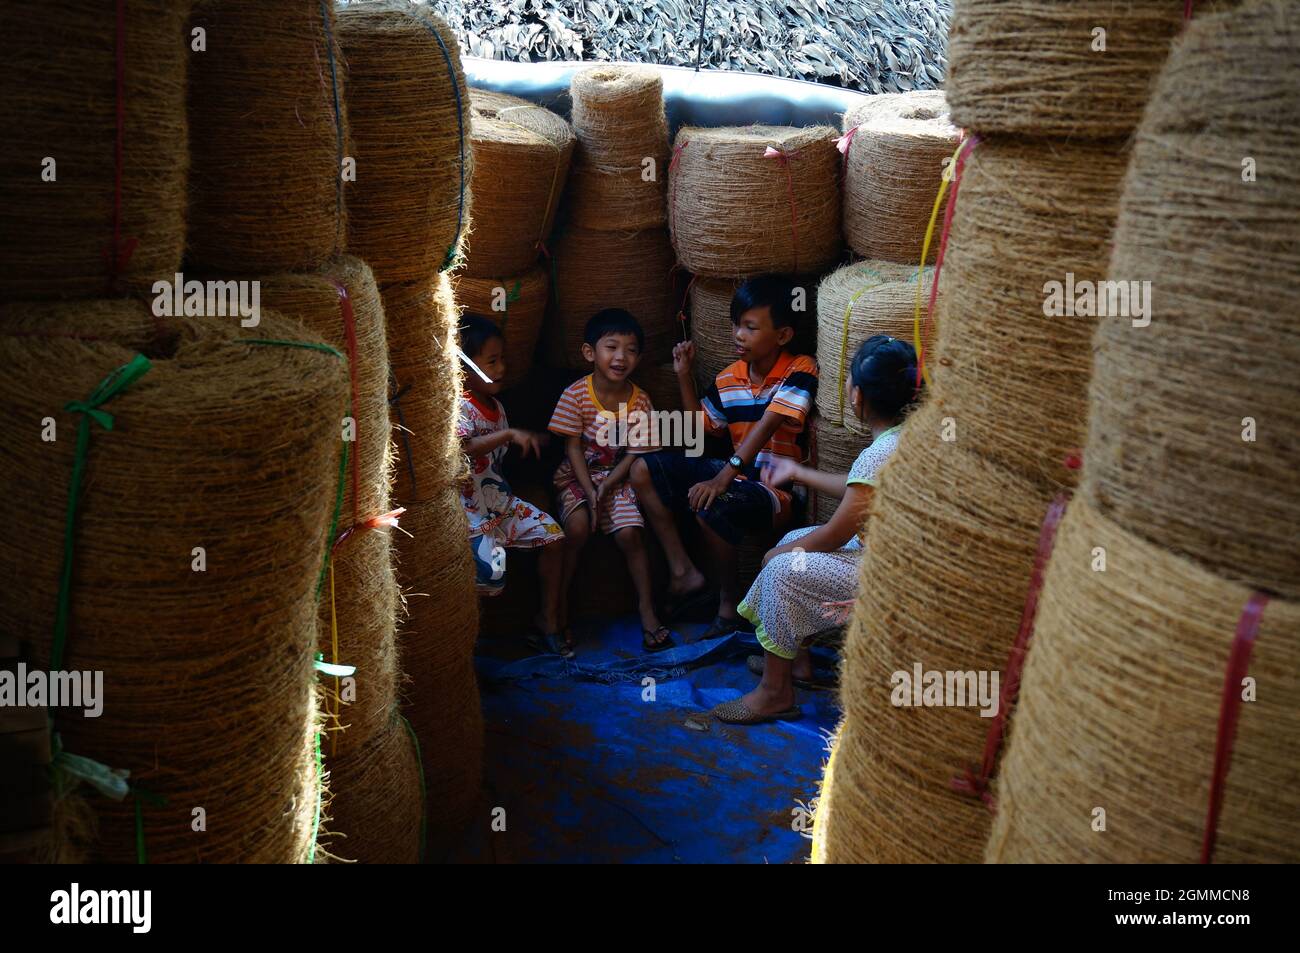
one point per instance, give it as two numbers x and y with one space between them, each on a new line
350 336
971 142
119 251
383 519
773 153
976 783
1229 713
672 164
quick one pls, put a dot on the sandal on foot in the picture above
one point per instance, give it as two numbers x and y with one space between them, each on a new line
549 643
650 644
738 713
721 626
818 683
676 606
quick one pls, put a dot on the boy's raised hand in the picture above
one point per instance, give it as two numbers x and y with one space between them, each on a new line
683 357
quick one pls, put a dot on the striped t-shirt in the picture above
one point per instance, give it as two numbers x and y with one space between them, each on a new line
732 404
605 432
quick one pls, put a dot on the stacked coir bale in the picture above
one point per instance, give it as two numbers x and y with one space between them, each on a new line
854 303
239 440
895 146
409 217
831 449
613 251
268 137
521 160
92 178
1035 204
1184 524
409 117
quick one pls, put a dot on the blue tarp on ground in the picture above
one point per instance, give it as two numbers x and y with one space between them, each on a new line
590 769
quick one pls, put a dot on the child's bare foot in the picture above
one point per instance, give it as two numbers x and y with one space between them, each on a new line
764 700
688 582
802 668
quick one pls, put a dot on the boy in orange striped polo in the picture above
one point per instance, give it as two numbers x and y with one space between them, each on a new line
605 421
762 402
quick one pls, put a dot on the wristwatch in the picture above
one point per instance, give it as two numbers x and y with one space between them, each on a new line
737 463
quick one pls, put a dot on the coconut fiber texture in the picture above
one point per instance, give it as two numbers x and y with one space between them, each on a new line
207 654
376 815
853 303
950 547
711 329
410 113
425 389
1040 67
442 699
619 122
1119 709
517 305
521 160
597 270
752 199
342 294
893 168
1013 376
88 204
268 137
1195 434
833 449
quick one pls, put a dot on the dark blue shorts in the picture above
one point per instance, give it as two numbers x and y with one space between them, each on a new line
746 508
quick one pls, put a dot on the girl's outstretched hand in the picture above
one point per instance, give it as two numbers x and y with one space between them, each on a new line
780 471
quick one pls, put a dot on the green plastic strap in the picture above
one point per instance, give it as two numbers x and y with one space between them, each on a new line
424 794
142 795
306 345
90 410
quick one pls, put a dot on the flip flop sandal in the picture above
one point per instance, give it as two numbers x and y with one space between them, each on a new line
648 643
737 713
549 643
818 683
677 606
720 626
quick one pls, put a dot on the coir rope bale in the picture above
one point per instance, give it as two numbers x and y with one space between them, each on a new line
341 303
950 548
521 159
268 136
1080 69
712 332
409 109
597 270
1031 227
752 199
424 400
90 197
377 811
517 305
210 498
442 700
358 617
1120 707
853 303
833 450
619 122
893 167
1195 434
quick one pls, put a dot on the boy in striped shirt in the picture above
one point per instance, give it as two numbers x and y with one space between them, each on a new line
605 421
762 402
